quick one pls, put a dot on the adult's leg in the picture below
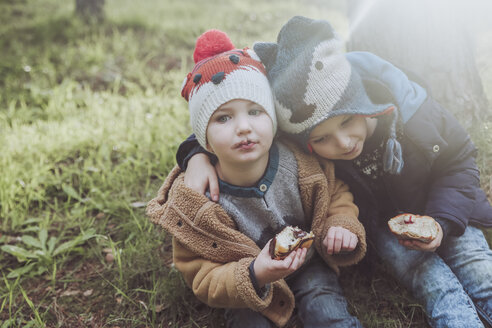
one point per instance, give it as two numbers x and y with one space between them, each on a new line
470 258
430 280
246 318
319 298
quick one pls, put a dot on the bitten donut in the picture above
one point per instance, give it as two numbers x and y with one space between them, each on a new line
412 226
288 240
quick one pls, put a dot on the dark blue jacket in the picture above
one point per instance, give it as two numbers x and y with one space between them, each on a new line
439 177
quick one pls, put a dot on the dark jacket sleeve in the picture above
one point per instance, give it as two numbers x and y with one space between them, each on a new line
454 178
187 149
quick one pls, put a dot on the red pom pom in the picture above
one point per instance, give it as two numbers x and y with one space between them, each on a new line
211 43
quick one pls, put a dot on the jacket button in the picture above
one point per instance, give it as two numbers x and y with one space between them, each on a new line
281 303
214 245
435 149
263 187
180 223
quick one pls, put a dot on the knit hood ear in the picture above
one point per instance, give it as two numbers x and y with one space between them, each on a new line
267 51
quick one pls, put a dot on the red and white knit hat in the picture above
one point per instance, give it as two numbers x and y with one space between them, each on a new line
223 73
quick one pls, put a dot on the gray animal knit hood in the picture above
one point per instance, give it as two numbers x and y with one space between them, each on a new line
313 80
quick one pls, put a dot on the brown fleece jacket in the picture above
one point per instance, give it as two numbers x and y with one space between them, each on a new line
214 256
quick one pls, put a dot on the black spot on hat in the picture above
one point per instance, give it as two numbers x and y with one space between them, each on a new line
234 58
218 77
302 114
197 78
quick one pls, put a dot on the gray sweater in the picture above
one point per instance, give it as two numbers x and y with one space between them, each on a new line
263 210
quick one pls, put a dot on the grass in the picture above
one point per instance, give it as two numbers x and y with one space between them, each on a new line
90 118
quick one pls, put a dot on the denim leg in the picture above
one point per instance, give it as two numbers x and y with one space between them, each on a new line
319 298
430 280
246 318
470 258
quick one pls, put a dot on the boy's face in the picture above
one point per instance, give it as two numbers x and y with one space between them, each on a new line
341 137
239 132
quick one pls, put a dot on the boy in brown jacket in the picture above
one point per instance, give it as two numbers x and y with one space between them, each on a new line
222 249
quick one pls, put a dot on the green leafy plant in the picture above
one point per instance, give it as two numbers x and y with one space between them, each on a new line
39 252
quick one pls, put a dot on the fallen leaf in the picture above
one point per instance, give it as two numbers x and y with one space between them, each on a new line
88 292
138 204
159 308
145 306
100 215
109 257
70 293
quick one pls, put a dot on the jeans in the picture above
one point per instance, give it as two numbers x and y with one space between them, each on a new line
319 300
453 283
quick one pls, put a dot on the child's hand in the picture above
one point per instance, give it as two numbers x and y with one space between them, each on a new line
269 270
339 239
421 246
200 174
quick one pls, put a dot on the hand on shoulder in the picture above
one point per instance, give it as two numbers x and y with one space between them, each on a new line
201 175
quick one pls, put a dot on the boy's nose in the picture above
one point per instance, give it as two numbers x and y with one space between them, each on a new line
343 141
243 126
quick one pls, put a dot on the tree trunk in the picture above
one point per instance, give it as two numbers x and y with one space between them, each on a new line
430 38
90 9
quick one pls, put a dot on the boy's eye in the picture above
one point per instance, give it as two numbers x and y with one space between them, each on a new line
255 112
223 118
319 140
347 120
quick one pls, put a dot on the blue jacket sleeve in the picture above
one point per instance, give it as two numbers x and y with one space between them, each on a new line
187 149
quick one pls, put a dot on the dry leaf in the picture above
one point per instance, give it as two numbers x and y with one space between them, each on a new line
109 257
70 293
138 204
145 306
159 308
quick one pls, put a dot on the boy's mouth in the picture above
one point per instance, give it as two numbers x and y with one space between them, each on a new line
351 151
245 145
